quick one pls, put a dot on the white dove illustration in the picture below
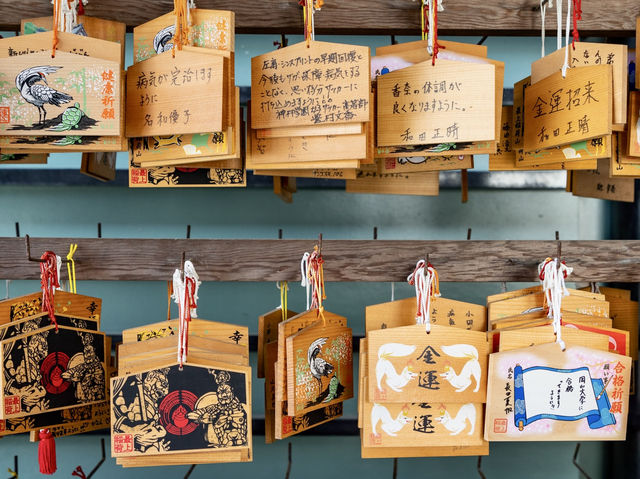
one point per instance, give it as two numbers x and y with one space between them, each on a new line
39 94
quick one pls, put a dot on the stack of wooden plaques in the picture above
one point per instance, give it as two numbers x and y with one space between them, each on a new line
577 393
83 86
183 113
307 365
54 380
164 414
430 118
311 112
422 394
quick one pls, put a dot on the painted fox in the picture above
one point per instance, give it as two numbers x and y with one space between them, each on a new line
471 369
458 424
384 367
380 414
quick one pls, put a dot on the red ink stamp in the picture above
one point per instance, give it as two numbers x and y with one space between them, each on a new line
3 425
380 395
500 425
390 163
287 426
139 176
12 405
122 443
5 114
375 439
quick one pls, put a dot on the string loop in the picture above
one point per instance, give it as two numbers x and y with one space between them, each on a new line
185 294
49 281
552 274
427 285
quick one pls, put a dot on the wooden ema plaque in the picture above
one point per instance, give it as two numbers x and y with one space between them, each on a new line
319 368
524 304
559 111
209 29
9 158
64 303
45 370
268 333
544 394
453 102
168 96
81 94
578 152
93 27
583 54
408 365
444 312
412 164
525 337
94 418
598 184
175 147
633 126
422 425
320 173
324 84
423 183
168 411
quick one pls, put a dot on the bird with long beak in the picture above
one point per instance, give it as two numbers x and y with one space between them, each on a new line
34 88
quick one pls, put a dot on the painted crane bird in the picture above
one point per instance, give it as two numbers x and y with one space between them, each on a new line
318 366
39 94
163 39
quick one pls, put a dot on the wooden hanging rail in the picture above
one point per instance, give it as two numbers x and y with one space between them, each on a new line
345 260
364 17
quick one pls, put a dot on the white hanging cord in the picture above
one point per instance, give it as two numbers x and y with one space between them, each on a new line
190 4
185 294
559 24
552 274
7 283
425 280
566 51
68 14
543 14
58 270
305 283
393 292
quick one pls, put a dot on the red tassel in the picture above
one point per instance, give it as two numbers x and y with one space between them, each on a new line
47 452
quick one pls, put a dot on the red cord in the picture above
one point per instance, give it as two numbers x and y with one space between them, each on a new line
49 281
577 15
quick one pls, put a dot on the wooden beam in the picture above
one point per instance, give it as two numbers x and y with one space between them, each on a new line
345 260
391 17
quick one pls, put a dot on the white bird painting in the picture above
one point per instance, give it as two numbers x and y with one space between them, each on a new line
318 366
32 85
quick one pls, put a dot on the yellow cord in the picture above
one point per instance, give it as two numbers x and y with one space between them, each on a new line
71 268
284 287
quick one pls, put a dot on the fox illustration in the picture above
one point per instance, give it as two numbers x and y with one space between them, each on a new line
471 369
459 423
380 414
384 367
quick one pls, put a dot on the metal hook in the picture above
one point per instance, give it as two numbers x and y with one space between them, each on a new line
479 467
320 243
483 39
188 231
28 248
99 230
575 462
393 40
14 472
186 476
17 229
395 468
79 472
282 43
289 463
559 256
468 234
279 233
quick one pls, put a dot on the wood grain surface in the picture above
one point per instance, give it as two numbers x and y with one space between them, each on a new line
345 260
520 17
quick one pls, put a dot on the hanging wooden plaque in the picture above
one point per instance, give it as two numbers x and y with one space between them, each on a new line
320 173
93 28
633 126
8 157
71 304
45 370
444 312
268 333
408 365
169 96
525 304
423 183
166 410
64 418
412 164
324 84
592 149
100 165
185 177
67 42
583 54
518 112
505 153
422 425
81 94
522 338
598 184
544 394
175 147
559 111
96 417
225 332
517 293
209 29
319 368
452 103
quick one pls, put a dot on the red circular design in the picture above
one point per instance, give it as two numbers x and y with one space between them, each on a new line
187 170
51 370
173 412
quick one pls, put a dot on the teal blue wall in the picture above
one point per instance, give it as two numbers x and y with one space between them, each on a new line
257 213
